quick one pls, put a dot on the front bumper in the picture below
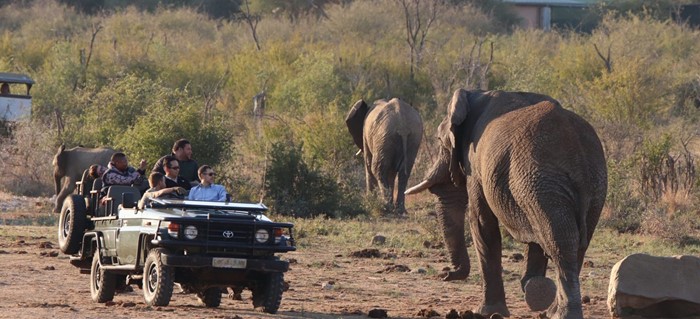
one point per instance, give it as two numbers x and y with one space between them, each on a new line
263 265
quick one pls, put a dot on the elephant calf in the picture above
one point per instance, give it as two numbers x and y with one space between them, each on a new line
521 161
389 135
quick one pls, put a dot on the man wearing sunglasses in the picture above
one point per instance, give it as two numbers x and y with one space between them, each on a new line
207 190
172 177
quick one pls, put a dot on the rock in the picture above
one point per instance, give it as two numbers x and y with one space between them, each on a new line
45 244
328 285
366 253
419 271
516 257
654 286
378 240
129 304
49 268
540 293
428 313
395 268
588 264
453 314
377 313
585 299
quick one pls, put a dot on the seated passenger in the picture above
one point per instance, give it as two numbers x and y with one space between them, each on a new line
157 182
5 89
120 173
207 190
172 170
97 170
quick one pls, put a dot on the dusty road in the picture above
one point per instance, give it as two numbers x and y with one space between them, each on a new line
36 281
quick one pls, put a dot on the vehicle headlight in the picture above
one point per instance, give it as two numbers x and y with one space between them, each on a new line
262 235
191 232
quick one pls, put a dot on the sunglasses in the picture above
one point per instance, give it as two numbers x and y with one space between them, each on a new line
176 167
211 174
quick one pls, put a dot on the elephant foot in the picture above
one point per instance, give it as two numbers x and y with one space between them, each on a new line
491 310
459 274
540 293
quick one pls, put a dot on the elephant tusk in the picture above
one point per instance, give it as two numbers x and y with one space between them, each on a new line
358 152
418 188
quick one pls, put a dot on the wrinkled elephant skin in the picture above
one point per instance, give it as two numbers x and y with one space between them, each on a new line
69 164
520 161
389 135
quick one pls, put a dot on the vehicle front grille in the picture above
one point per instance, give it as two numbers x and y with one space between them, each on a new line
227 233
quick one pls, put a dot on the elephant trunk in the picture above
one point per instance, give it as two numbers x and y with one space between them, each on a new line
452 208
438 174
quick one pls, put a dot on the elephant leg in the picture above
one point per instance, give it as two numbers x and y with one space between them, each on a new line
400 203
68 187
539 290
487 241
452 208
386 177
536 264
370 179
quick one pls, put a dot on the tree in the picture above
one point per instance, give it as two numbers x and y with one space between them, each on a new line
419 17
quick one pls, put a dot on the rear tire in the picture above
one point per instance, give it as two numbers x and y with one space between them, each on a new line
102 283
158 280
211 297
267 292
72 224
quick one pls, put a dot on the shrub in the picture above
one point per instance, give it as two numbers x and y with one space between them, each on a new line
298 189
25 160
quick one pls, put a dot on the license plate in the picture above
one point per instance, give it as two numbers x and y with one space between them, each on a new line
229 262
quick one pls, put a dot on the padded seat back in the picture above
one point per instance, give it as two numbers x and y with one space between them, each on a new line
85 184
114 193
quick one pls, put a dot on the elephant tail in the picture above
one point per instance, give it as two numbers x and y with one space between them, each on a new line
401 163
582 224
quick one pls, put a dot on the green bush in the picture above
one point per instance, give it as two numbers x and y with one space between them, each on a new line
298 189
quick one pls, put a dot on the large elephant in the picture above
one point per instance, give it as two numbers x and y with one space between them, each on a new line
389 134
70 163
521 161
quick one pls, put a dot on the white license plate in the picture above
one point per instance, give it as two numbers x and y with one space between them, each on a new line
229 262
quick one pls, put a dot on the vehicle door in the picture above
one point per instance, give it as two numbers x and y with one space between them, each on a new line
128 235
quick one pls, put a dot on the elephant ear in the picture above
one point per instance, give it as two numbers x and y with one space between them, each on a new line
356 121
456 115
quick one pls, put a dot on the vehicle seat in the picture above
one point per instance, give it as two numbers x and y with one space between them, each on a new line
85 184
94 206
114 197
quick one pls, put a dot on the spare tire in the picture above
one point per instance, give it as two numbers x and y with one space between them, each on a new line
72 224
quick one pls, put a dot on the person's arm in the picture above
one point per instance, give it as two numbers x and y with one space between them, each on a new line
158 166
221 193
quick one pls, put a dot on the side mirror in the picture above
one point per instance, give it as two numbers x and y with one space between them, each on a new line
128 200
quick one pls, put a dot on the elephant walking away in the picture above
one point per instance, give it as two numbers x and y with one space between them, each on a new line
520 161
389 135
70 163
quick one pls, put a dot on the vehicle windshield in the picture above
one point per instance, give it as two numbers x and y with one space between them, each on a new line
206 206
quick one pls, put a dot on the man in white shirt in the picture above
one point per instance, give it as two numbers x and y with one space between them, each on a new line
207 190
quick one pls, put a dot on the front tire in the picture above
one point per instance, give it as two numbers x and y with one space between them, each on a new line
267 292
158 280
211 297
102 283
72 224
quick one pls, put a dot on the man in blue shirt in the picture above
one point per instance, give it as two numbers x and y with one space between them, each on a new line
207 190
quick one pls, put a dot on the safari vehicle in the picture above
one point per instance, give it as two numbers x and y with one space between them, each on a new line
15 104
203 246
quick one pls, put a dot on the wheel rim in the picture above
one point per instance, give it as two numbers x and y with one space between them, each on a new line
66 224
152 279
98 277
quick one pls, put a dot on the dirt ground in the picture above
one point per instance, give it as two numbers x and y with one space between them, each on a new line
325 281
36 281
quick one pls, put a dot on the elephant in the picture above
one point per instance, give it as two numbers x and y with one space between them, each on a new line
520 161
389 135
70 163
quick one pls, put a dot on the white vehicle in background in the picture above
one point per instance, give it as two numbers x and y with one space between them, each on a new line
15 101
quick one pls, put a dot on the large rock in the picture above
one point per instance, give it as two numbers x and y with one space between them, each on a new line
653 286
